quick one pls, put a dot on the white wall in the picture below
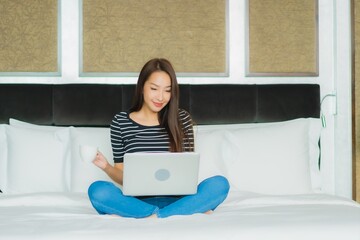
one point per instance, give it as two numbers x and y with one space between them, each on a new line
342 83
334 77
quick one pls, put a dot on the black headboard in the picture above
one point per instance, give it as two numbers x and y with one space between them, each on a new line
96 104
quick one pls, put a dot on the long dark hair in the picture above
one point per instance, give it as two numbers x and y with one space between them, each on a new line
169 115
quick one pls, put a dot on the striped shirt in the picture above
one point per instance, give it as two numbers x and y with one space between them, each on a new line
128 136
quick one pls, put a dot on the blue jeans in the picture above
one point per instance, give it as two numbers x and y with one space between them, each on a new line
107 198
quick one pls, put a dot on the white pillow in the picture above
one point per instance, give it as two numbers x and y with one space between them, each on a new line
3 158
83 174
277 158
314 134
80 175
208 139
208 143
18 123
37 159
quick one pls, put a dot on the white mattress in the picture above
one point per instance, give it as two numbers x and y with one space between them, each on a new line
242 216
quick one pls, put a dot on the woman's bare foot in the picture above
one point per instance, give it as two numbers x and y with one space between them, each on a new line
152 216
209 212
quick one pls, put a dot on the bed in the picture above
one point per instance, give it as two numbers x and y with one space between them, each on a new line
264 138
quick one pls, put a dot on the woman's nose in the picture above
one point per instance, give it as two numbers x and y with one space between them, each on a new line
160 96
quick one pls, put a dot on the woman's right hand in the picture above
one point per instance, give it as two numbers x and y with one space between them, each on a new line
100 161
115 173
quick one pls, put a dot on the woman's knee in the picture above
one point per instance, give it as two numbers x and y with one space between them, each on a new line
218 184
100 190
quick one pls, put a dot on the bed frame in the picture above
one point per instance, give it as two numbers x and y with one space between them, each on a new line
96 104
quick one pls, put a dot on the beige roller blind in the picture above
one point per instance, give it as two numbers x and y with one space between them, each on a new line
28 36
282 37
119 36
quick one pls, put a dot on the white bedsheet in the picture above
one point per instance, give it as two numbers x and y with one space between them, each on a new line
242 216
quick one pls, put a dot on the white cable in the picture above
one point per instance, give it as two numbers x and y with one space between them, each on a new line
322 116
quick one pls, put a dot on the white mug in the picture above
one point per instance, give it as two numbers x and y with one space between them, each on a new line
88 153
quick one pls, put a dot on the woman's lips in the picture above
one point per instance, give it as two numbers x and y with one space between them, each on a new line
158 104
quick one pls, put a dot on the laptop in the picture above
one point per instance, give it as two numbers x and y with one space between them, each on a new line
160 174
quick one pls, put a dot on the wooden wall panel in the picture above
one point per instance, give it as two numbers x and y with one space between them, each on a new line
356 98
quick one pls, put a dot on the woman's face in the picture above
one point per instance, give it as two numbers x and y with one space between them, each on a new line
157 91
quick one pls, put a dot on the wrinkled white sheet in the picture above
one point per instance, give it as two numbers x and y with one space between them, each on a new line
242 216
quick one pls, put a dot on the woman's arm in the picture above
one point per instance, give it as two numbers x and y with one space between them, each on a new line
114 172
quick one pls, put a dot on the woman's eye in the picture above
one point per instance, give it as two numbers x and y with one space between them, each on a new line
153 89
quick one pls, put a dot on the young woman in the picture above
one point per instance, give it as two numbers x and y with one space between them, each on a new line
153 123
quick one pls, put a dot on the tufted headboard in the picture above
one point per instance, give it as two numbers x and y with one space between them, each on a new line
96 104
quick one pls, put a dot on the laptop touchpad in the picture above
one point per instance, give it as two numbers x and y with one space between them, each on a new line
162 174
